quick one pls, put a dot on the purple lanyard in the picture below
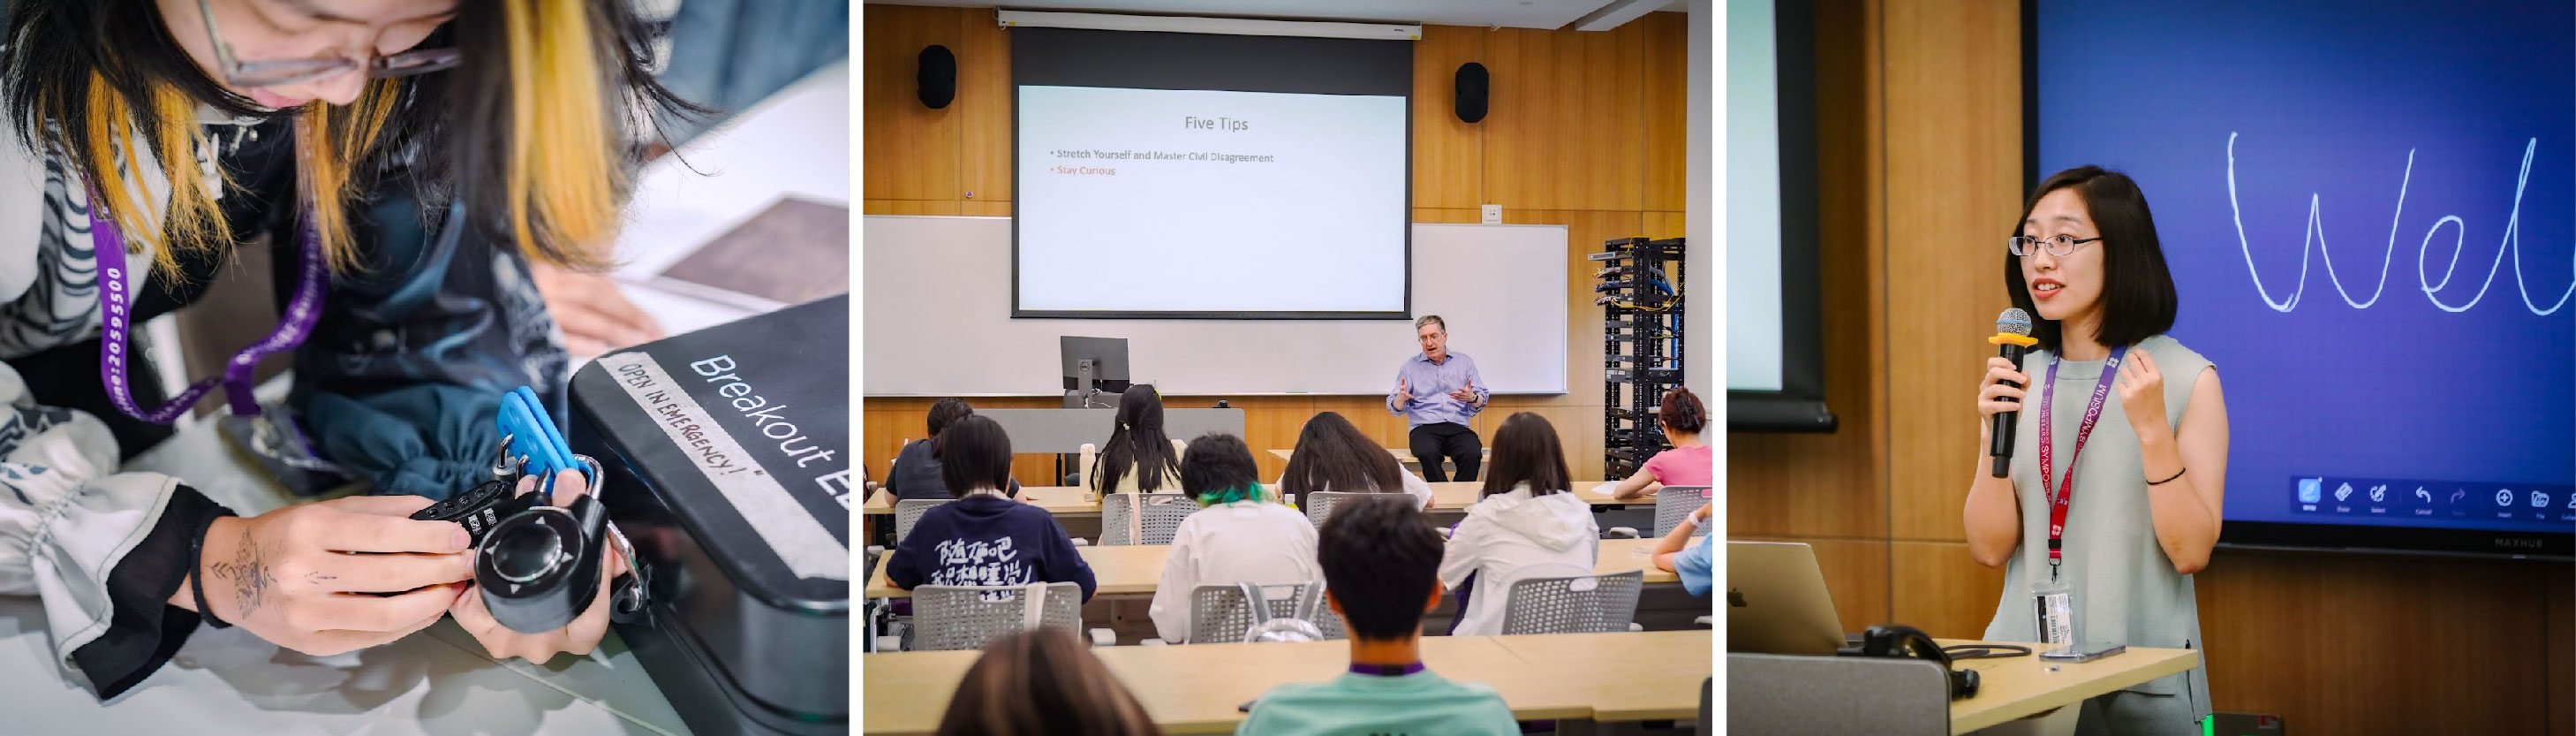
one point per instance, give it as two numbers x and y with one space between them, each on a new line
1385 670
2065 495
304 309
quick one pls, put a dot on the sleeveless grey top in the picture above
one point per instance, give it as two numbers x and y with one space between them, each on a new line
2123 588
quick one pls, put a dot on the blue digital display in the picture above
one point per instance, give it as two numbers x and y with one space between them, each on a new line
2370 212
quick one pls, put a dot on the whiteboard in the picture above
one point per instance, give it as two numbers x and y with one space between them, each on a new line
936 320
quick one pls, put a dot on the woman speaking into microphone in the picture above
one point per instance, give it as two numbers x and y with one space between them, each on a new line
2112 496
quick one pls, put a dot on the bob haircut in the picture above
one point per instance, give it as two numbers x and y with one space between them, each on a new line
2138 300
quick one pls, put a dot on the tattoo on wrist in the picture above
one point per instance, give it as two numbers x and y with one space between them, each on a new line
249 574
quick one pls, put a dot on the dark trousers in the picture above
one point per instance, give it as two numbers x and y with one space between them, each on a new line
1449 440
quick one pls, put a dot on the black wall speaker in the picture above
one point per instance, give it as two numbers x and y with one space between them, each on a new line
1472 87
938 77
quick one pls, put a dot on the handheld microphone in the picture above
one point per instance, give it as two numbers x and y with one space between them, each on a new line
2012 338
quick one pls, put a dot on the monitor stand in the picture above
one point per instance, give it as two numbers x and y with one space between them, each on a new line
1086 397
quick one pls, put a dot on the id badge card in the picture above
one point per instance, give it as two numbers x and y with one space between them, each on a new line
2054 602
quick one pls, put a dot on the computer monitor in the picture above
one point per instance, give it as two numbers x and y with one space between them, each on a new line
1108 361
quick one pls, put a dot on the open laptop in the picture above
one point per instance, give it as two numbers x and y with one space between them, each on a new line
1776 601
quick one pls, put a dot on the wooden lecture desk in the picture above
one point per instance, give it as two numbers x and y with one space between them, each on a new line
2014 688
1134 570
1198 688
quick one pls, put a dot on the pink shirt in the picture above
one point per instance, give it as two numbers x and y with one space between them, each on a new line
1682 466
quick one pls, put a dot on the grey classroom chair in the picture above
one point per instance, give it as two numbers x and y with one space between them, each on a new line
1574 605
908 512
1143 518
1675 503
1319 504
1218 613
1706 713
963 617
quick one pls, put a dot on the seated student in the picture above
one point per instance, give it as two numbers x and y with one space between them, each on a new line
1527 525
1688 463
1695 564
1042 681
1381 563
1332 455
1138 457
916 469
1243 536
984 538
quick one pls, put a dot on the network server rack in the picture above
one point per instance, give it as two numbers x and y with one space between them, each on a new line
1640 287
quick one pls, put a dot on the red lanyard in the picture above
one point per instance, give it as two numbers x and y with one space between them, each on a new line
2065 495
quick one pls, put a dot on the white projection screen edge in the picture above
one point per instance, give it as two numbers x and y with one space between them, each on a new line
1185 176
1787 394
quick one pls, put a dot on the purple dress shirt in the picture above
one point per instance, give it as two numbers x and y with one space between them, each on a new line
1430 384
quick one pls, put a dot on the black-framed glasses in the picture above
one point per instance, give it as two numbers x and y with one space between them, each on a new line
2057 245
291 71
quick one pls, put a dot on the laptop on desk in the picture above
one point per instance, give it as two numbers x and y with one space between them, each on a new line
1776 601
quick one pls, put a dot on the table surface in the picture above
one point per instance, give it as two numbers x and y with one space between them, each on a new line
724 178
2013 688
1136 569
1196 689
227 681
1069 501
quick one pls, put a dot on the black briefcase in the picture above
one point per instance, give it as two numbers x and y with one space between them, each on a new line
727 457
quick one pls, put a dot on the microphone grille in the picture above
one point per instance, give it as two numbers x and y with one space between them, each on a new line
2013 322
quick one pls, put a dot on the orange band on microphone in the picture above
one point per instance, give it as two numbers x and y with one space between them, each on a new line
2007 337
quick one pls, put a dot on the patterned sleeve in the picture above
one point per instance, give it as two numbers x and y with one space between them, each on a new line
102 550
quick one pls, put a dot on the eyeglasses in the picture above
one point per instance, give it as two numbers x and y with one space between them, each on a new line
291 71
2057 245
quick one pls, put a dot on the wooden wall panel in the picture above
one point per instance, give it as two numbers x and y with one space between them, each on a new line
1953 93
888 422
912 151
1936 587
1661 225
1584 233
1566 106
1448 155
1666 115
2368 644
2559 638
1448 215
945 207
984 102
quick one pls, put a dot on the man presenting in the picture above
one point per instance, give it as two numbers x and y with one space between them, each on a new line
1438 391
